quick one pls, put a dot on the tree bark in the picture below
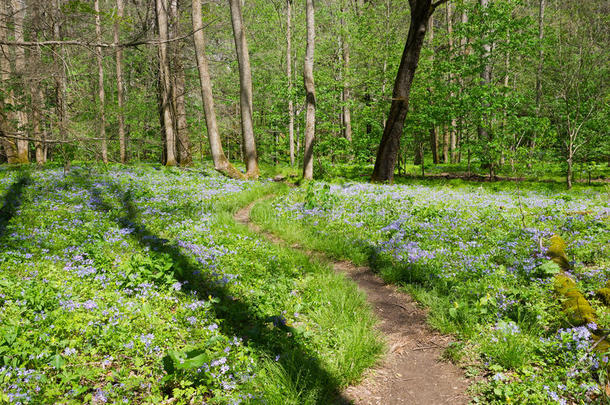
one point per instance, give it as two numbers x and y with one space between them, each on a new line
60 76
346 112
100 83
19 9
221 163
421 10
245 85
433 134
183 143
6 102
310 91
453 125
119 79
289 77
165 84
538 73
434 144
483 130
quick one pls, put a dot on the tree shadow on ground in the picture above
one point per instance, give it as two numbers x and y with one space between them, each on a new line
12 201
239 318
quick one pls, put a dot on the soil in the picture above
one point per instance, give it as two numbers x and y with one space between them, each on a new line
412 370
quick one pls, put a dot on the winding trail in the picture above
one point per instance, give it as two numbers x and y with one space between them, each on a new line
412 371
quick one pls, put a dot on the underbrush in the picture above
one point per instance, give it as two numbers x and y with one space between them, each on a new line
135 285
476 257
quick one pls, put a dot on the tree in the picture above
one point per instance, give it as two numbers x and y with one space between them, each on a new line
6 94
178 90
245 86
165 83
100 82
310 90
119 81
346 93
289 77
221 163
578 79
421 10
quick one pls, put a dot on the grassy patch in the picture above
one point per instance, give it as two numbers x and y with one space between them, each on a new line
134 285
474 255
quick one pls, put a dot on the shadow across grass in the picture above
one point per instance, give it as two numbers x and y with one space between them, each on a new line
12 201
239 318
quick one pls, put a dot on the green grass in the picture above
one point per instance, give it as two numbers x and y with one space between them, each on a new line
463 251
137 286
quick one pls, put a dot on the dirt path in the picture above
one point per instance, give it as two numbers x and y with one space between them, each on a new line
412 371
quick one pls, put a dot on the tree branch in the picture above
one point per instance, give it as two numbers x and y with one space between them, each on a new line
436 4
100 44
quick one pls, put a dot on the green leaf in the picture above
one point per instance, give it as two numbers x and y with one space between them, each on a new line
58 361
549 268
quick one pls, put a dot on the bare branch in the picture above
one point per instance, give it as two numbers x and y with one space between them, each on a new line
436 4
99 44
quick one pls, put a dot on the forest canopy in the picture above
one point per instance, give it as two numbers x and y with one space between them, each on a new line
500 87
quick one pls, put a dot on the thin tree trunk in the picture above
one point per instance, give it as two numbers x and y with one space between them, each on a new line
289 77
384 67
245 84
36 90
346 113
7 101
165 83
221 163
19 9
538 73
446 140
421 10
453 126
310 92
434 144
100 83
60 78
483 130
569 172
433 134
178 89
119 80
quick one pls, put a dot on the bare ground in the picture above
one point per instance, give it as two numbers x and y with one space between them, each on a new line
412 370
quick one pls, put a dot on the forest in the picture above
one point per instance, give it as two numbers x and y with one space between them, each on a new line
314 202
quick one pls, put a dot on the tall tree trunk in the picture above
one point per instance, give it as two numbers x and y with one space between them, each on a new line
100 83
346 112
570 161
178 89
386 51
453 126
434 144
310 93
36 90
60 76
165 84
289 77
433 134
245 85
421 10
19 9
119 80
36 87
7 101
538 73
483 130
221 163
462 135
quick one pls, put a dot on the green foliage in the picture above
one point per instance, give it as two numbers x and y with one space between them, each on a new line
462 251
138 286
